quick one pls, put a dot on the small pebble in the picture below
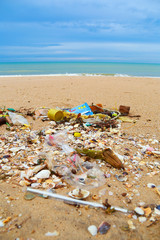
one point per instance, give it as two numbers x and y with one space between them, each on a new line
29 196
104 227
124 194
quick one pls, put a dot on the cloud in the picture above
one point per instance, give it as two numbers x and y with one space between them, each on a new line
55 10
118 51
89 28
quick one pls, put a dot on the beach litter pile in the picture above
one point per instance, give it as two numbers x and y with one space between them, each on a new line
84 152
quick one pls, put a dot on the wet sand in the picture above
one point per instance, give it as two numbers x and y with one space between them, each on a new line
47 215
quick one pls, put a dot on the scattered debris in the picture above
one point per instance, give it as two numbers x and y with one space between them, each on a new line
83 148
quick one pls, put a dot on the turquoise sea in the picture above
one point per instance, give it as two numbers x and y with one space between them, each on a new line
80 68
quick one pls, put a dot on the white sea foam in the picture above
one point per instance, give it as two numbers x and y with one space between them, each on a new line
121 75
78 74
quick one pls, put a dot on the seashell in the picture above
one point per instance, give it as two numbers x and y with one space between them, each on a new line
131 225
93 230
6 168
151 185
30 172
156 152
35 185
142 219
110 157
38 168
48 185
24 183
56 179
10 173
121 178
157 210
152 219
95 197
141 204
139 211
104 227
147 211
79 193
51 234
1 223
43 174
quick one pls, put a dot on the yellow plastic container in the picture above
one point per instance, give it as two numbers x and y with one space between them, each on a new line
55 114
77 134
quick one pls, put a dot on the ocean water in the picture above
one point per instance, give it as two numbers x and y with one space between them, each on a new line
75 68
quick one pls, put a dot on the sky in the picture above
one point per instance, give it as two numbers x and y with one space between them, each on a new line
80 30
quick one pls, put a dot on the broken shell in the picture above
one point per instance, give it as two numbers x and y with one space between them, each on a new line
48 185
35 185
157 210
110 157
24 183
95 197
6 168
139 211
43 174
79 193
93 230
131 225
51 234
142 219
152 219
38 168
1 223
104 227
147 211
121 178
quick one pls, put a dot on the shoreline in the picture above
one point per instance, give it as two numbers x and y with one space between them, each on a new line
116 75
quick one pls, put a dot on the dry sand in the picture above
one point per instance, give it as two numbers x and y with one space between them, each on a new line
43 215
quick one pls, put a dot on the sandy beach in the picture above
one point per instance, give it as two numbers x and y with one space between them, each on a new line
41 215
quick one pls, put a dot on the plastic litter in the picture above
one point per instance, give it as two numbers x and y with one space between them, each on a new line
83 109
58 196
17 119
61 197
55 114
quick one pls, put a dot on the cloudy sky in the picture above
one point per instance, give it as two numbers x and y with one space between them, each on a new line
80 30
